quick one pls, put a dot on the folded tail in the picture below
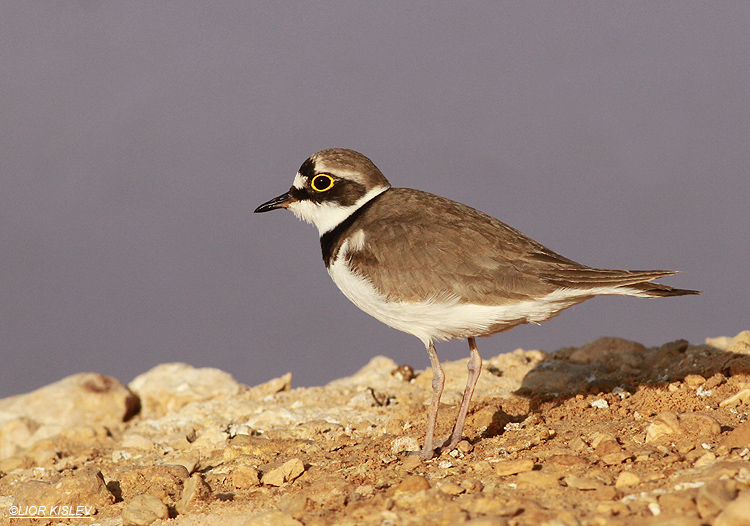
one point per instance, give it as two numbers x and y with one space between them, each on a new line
627 282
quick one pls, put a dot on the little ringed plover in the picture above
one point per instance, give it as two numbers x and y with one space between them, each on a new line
437 269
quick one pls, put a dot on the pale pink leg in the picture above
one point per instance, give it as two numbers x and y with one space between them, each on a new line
475 367
438 380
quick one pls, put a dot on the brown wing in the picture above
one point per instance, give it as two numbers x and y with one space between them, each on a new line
424 245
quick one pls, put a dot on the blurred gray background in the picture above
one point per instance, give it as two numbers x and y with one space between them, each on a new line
137 138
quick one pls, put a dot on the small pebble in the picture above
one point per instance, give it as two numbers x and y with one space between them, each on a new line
600 403
613 459
195 492
742 397
412 462
395 426
245 477
472 485
293 468
566 461
412 484
275 477
739 437
627 480
404 373
694 380
607 447
451 488
705 460
537 480
582 483
287 472
402 444
187 460
144 510
513 467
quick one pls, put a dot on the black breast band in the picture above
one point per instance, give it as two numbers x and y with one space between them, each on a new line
329 239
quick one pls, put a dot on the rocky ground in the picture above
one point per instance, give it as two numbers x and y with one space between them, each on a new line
607 433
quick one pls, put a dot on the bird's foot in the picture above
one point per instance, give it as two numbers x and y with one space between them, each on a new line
428 454
433 452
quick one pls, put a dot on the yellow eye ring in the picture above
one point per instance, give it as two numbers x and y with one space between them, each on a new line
321 182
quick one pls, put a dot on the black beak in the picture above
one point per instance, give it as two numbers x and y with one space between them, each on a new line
283 201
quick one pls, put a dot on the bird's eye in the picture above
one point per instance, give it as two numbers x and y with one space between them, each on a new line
321 182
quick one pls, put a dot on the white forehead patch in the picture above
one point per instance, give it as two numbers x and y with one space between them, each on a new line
299 181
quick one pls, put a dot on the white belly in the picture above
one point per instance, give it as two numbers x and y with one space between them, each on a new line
446 318
441 318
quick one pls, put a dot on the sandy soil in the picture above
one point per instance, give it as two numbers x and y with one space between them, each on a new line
604 434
